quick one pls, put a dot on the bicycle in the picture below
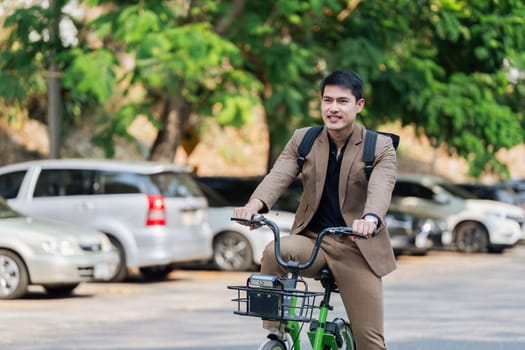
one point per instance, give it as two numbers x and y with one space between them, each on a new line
287 299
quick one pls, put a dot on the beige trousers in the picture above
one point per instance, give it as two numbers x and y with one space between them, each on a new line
361 290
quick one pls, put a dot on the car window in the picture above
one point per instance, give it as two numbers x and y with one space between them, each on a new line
504 195
119 182
408 189
457 191
10 184
172 184
64 182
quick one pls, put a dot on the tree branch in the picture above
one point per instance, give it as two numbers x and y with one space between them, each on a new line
225 22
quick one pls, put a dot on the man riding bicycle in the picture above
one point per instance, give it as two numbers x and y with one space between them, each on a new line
337 193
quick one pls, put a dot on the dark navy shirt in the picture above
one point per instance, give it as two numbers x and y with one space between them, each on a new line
328 213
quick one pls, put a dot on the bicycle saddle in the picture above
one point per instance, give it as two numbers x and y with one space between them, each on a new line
327 279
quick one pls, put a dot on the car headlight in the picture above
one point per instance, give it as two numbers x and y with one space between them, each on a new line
429 225
61 247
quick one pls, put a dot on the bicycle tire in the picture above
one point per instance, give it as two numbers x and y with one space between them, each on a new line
273 345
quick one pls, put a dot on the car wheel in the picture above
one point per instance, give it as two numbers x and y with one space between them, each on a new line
121 272
471 237
156 273
14 278
232 252
60 290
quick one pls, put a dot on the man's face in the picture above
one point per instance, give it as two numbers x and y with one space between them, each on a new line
339 108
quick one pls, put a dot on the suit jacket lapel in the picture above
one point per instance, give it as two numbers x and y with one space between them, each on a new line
321 148
352 150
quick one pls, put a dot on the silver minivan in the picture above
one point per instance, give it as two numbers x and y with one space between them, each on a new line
153 213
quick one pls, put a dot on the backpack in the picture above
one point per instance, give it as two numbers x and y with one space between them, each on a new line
368 152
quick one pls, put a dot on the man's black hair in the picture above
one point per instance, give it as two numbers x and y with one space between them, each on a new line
346 79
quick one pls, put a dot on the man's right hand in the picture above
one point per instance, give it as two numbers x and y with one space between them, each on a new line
251 208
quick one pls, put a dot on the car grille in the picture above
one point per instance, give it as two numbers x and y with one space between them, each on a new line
91 247
86 271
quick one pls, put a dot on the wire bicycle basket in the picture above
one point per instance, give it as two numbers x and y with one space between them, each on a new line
271 298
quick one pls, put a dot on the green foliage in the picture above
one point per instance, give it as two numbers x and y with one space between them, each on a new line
87 76
440 66
174 62
90 74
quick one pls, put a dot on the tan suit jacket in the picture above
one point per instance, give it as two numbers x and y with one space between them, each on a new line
356 196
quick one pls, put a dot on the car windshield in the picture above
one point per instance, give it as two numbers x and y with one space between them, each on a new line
7 212
457 191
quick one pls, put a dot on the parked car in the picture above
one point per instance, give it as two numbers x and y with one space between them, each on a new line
476 225
237 247
416 234
55 255
153 213
496 192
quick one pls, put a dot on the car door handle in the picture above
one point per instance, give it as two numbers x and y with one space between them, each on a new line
189 210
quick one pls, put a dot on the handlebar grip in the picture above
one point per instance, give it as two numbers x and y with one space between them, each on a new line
347 231
241 220
256 221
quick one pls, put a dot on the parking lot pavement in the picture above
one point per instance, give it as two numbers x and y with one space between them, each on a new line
444 301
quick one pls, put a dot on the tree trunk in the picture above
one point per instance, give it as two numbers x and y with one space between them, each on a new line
174 119
54 106
54 112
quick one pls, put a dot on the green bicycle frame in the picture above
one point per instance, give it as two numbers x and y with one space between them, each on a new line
318 338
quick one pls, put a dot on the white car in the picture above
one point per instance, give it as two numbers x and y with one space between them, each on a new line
236 247
153 213
476 225
56 256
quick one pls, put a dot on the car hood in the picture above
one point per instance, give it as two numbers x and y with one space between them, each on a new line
45 229
425 208
495 206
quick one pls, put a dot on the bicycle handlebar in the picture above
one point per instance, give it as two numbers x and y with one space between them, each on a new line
259 220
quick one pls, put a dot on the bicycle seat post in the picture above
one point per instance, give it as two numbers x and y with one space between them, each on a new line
327 281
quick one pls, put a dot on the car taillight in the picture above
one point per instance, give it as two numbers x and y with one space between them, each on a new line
156 211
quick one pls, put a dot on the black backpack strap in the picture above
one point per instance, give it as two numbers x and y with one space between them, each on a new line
306 144
368 151
395 138
369 148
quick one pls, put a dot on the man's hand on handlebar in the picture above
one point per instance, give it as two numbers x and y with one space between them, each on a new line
248 211
364 226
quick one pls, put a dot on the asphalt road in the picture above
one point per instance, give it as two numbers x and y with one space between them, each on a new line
442 301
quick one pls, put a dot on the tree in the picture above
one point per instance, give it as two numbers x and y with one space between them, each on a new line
35 50
182 65
443 66
440 65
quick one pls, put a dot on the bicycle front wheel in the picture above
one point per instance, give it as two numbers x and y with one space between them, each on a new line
273 345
